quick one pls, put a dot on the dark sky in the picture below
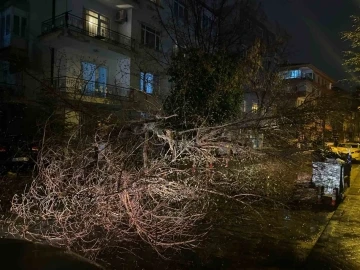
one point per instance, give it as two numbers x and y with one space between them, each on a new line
315 27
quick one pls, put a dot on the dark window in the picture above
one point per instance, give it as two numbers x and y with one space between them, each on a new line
150 37
16 27
206 22
180 11
7 25
2 30
23 27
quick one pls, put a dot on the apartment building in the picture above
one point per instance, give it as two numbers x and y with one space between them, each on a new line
256 26
100 52
306 83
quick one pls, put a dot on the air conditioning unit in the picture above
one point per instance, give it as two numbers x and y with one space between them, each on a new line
121 16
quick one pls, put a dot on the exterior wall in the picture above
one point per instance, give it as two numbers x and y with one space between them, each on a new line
68 63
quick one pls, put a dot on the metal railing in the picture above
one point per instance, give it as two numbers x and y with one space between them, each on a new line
91 88
83 26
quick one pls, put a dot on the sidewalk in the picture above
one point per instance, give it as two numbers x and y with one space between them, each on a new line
339 245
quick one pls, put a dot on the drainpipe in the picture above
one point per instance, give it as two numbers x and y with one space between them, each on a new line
52 63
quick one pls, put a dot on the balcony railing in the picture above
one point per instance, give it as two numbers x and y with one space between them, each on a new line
88 28
91 88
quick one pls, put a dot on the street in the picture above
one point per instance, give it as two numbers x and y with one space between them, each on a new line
339 247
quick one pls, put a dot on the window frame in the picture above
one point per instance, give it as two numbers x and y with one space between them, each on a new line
254 107
149 30
96 82
177 4
153 85
100 19
23 26
244 106
300 101
16 25
7 25
209 20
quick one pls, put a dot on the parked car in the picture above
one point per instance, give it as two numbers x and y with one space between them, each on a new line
17 154
345 148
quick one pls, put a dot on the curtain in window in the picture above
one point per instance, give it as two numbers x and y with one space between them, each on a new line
147 82
88 71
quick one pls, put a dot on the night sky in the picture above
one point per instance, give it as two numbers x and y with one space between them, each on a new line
315 27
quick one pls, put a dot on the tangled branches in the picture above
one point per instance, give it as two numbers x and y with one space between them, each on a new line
84 199
140 185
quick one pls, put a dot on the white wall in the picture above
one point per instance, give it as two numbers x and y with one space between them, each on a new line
68 63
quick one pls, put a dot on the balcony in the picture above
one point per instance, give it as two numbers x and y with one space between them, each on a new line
82 26
81 87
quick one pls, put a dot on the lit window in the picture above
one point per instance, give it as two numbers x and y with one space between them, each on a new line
96 24
150 37
300 101
254 107
148 82
95 78
292 74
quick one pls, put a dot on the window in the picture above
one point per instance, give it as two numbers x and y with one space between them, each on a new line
96 24
2 30
19 29
300 102
293 74
180 11
16 27
243 50
7 25
95 78
23 27
254 107
148 82
4 72
247 24
150 37
206 21
259 32
244 106
309 75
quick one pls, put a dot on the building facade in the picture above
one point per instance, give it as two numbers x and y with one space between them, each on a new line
99 52
307 85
